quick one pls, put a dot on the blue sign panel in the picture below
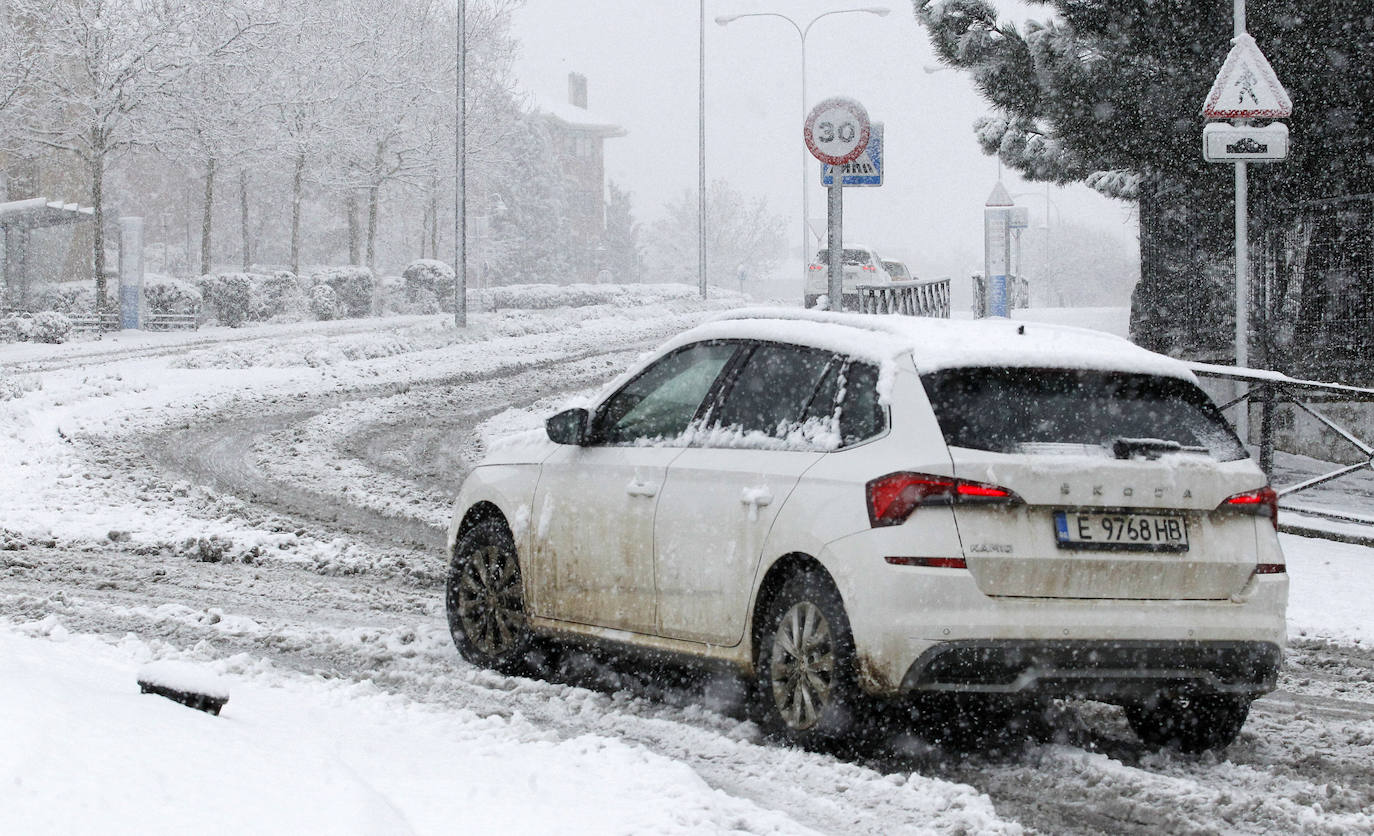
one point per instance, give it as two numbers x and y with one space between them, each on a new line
864 170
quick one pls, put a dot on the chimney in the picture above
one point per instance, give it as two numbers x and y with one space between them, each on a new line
577 90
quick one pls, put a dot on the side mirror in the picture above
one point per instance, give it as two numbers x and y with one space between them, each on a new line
568 426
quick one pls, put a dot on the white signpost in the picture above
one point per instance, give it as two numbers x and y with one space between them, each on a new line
1245 89
836 131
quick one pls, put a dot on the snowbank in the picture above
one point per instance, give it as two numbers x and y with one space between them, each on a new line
86 753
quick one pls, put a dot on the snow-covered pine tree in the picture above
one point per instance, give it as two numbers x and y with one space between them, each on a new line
624 254
1108 92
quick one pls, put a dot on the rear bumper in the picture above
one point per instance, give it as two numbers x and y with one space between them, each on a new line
1117 671
902 616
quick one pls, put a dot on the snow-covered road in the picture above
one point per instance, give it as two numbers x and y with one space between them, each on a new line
266 501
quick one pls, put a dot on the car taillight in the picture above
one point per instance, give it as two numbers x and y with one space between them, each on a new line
894 497
817 266
870 268
1262 503
1271 569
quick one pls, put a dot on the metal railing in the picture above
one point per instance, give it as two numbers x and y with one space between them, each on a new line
927 298
110 321
172 322
1270 390
107 321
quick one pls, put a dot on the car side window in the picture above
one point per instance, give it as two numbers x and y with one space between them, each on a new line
862 415
769 396
660 403
847 400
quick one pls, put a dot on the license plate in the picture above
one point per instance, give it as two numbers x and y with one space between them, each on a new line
1122 531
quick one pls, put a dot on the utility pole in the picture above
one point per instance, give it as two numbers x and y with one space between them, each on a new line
460 204
701 153
1242 259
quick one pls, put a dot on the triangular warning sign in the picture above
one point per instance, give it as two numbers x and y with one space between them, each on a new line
1246 87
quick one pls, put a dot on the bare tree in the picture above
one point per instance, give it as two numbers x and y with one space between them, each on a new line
211 118
740 231
100 64
312 73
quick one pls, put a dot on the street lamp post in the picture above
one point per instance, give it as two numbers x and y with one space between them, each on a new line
802 32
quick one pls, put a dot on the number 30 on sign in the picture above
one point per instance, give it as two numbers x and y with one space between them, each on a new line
837 131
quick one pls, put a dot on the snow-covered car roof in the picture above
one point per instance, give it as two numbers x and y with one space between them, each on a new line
941 343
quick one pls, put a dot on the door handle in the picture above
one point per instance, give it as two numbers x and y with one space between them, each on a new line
754 499
637 488
757 497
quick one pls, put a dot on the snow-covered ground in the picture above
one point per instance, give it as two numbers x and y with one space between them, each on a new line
258 502
85 752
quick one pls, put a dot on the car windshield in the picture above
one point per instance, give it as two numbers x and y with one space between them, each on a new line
1028 410
851 257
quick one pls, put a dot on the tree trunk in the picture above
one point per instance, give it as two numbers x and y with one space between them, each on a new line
243 220
434 219
207 217
354 232
296 183
424 231
98 205
372 193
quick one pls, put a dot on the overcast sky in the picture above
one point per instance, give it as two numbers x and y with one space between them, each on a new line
640 58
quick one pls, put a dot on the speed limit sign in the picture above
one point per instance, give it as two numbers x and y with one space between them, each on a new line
836 131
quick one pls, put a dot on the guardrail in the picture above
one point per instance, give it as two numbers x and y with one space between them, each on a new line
172 322
928 298
109 321
1271 389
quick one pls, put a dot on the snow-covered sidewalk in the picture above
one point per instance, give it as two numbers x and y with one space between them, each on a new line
85 752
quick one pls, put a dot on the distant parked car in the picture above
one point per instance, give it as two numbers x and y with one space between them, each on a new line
862 265
851 508
897 270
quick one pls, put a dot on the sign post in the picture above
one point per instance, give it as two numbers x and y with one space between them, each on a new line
1244 90
836 132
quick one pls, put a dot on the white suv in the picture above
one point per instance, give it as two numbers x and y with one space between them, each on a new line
862 265
847 508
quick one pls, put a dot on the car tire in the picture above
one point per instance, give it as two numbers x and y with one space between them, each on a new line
485 599
1192 724
810 300
804 679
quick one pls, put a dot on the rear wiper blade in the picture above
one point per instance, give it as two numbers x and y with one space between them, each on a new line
1150 448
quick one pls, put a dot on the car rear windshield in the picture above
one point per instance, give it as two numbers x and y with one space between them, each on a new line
1030 410
851 257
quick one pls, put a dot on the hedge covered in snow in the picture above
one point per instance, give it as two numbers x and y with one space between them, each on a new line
41 327
352 288
429 286
546 296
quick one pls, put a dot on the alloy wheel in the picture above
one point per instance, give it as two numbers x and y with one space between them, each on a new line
802 665
489 601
